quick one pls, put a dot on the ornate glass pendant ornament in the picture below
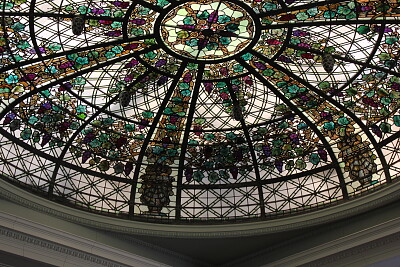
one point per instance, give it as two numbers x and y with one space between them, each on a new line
124 98
78 24
328 62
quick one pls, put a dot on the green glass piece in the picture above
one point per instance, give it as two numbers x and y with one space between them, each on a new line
232 27
95 143
162 3
363 29
314 158
343 121
391 40
302 16
324 85
386 100
82 116
385 127
104 137
26 134
209 136
302 126
170 127
182 34
203 15
104 165
118 168
129 127
329 125
300 164
32 119
289 165
198 176
224 19
225 40
147 114
208 165
189 21
396 119
106 145
231 136
108 121
299 151
200 120
268 72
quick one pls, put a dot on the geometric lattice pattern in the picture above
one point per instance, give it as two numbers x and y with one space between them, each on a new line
191 111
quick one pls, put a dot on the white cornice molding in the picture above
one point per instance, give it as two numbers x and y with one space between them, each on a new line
360 248
39 242
356 206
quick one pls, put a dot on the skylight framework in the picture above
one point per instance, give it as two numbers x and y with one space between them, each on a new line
229 112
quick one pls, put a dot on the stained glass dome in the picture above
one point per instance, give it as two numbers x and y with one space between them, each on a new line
200 110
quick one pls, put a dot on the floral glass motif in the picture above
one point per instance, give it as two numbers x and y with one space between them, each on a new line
194 111
207 30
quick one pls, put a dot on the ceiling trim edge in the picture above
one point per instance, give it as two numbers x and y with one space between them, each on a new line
356 206
65 252
358 249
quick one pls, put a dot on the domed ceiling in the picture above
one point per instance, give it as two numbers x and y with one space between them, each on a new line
199 110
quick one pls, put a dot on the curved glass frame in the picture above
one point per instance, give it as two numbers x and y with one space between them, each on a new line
251 123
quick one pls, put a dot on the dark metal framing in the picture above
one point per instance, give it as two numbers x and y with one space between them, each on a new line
189 120
306 120
32 14
150 133
251 148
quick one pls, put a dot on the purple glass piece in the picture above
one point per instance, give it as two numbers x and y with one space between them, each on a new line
235 172
7 120
173 119
98 11
86 155
284 59
128 168
143 124
376 130
160 63
120 142
114 33
138 21
28 77
208 150
304 45
213 18
209 87
187 78
238 155
88 138
279 165
267 151
189 174
259 65
162 80
66 65
188 27
47 106
197 130
202 43
46 138
323 154
64 127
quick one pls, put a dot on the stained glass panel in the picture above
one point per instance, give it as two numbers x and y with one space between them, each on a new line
193 111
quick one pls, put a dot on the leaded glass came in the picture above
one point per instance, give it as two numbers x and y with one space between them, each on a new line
193 111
